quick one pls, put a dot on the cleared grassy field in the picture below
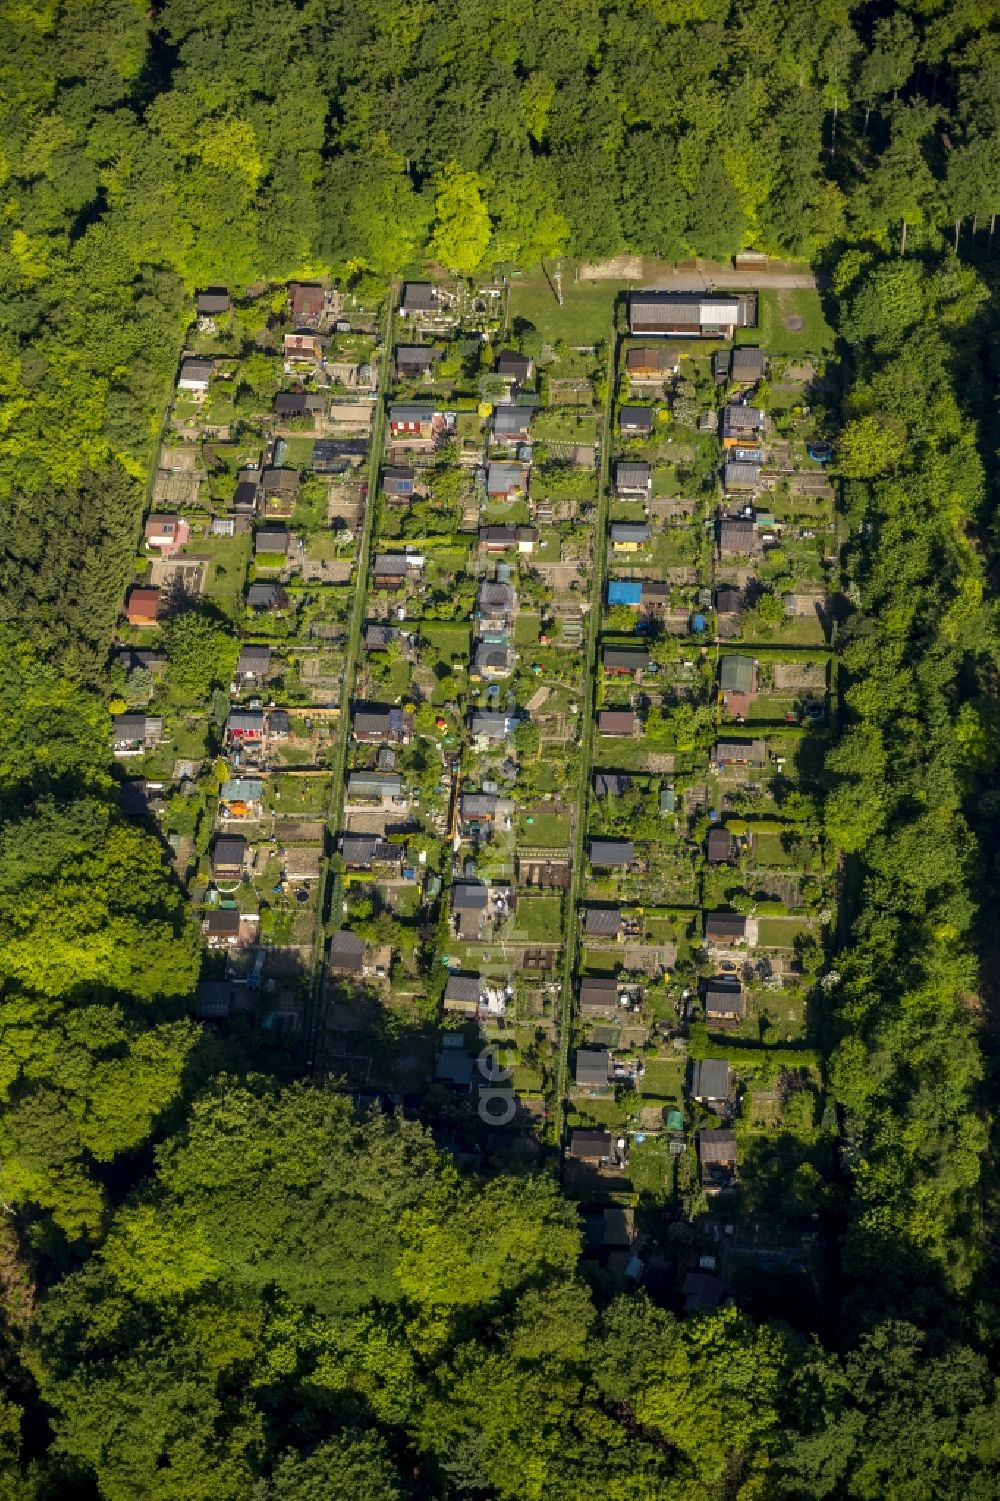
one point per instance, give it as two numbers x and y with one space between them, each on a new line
584 318
780 932
776 310
539 919
446 639
548 831
299 452
664 1079
526 628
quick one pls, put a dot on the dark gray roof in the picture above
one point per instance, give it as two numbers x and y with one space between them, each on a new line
503 477
632 475
331 455
636 418
492 657
725 925
363 849
469 896
374 784
196 370
511 362
737 418
747 362
391 564
128 726
725 1000
633 658
417 356
602 921
229 849
397 479
213 999
736 535
611 783
280 481
223 921
611 852
213 300
493 594
701 1290
740 752
720 845
290 403
263 595
738 476
478 804
630 531
454 1067
590 1144
591 1066
728 597
717 1146
411 411
376 720
244 720
274 539
378 637
598 993
711 1079
418 296
462 988
347 951
512 420
255 659
650 310
493 726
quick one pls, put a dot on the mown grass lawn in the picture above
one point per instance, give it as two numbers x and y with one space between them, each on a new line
548 831
779 932
600 961
664 1079
539 919
649 1167
446 640
583 318
298 452
526 628
774 307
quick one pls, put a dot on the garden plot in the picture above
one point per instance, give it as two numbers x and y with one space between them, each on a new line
182 575
173 488
793 676
561 577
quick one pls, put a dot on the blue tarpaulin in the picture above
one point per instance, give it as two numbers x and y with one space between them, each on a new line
625 592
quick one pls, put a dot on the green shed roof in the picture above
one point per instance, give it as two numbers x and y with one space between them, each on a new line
736 674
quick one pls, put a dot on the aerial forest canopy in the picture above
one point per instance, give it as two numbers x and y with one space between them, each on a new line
217 1280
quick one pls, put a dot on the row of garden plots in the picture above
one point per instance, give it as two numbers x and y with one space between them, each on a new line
227 673
454 851
709 896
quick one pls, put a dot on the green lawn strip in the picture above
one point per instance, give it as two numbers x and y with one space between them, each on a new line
664 1079
583 317
774 307
526 628
548 831
538 919
779 932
